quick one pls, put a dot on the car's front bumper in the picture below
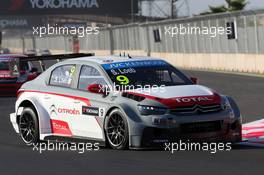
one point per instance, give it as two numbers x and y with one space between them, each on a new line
216 127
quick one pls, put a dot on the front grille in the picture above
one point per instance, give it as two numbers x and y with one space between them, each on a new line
201 127
196 109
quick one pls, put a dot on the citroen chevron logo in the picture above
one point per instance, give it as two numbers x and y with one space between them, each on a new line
53 110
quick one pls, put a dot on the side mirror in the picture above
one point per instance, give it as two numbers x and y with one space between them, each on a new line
34 70
96 88
194 80
31 77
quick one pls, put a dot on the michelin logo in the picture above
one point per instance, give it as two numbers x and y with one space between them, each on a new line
44 4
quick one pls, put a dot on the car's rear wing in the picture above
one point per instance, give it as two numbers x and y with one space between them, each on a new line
41 63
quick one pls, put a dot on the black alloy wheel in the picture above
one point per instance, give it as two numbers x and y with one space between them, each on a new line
117 130
28 127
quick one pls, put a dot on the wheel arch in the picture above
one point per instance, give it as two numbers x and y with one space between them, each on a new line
24 104
43 116
108 113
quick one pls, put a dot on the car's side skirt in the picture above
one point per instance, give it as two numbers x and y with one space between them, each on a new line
74 139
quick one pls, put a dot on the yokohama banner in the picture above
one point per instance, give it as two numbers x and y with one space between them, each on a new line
97 7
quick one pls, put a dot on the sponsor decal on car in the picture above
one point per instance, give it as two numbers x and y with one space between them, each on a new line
55 111
93 111
68 111
184 101
60 127
193 99
146 63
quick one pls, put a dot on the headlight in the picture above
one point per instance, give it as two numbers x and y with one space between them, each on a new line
151 110
23 78
226 105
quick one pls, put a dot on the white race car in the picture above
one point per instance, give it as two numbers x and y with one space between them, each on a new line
123 102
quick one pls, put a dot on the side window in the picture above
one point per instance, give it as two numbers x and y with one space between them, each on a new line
62 76
24 65
89 75
164 76
176 78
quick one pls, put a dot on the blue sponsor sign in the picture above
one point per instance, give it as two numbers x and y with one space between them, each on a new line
133 64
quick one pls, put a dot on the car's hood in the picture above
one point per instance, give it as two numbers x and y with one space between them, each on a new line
174 96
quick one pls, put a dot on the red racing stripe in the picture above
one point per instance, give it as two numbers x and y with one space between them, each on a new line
173 103
85 100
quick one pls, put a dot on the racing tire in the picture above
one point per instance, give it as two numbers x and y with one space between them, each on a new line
117 132
28 127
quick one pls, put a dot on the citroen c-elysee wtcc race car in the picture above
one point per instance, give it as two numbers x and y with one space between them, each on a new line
122 102
12 76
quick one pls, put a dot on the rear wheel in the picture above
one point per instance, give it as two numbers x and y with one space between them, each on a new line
28 126
117 130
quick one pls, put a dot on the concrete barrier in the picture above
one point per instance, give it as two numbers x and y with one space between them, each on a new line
248 63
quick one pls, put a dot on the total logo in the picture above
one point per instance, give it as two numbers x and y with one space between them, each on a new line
45 4
193 99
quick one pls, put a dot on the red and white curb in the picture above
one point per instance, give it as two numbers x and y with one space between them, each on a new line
253 133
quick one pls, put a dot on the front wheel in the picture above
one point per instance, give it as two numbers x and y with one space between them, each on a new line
28 126
117 130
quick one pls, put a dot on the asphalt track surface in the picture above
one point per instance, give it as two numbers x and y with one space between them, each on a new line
16 158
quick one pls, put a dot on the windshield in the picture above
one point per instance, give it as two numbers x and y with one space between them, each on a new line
145 73
4 65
